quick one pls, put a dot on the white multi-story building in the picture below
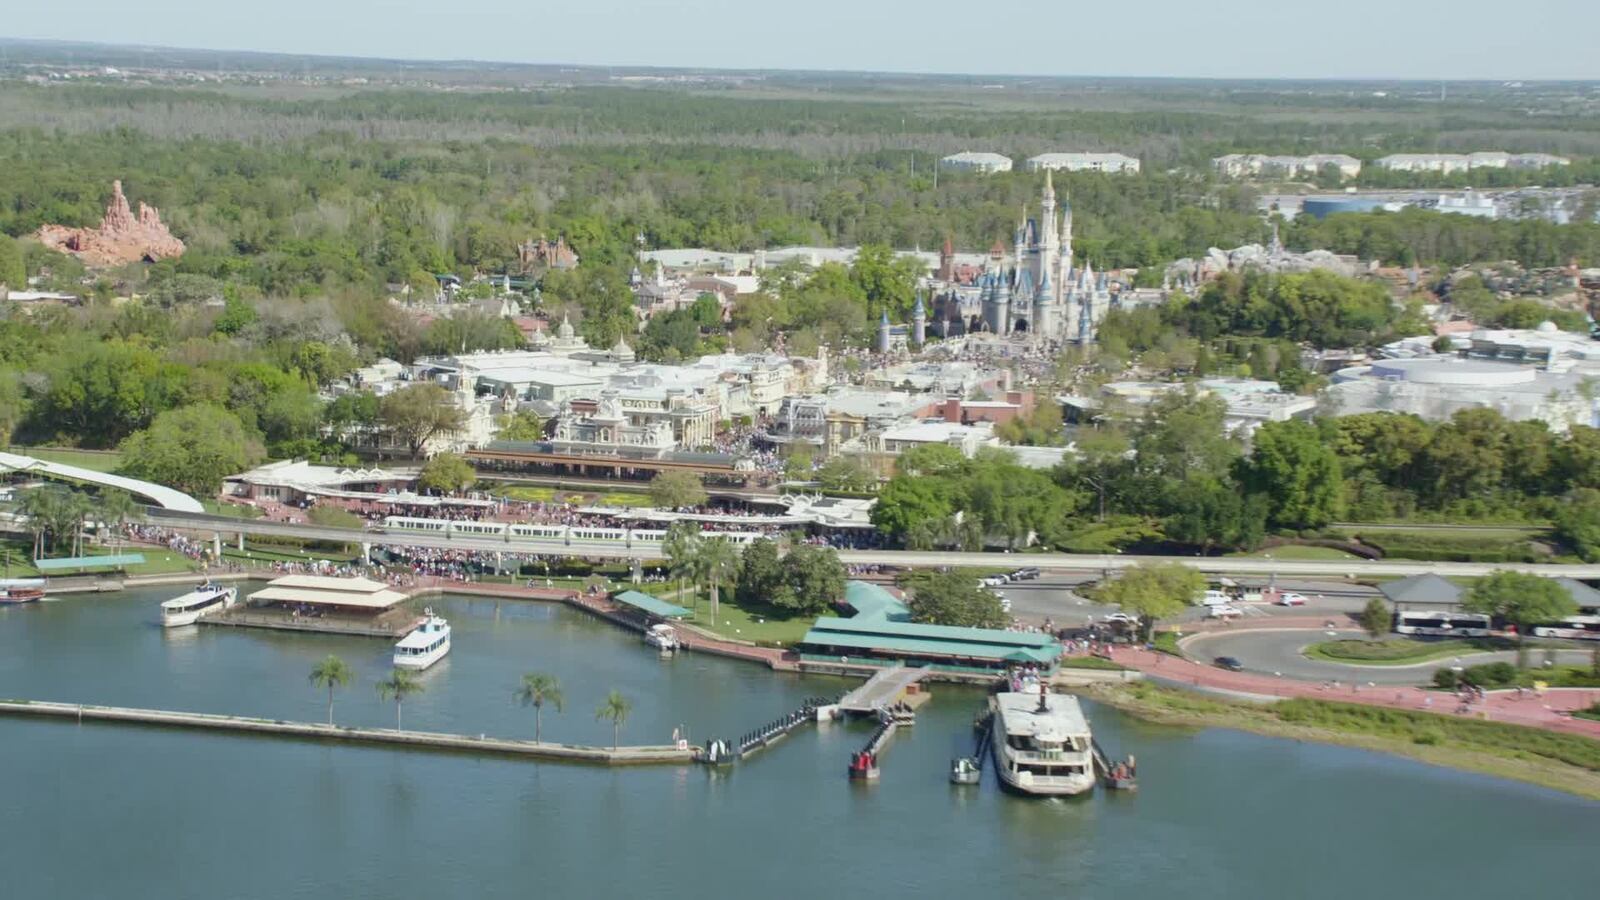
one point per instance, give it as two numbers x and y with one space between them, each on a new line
973 161
1083 162
1452 163
1536 161
1240 165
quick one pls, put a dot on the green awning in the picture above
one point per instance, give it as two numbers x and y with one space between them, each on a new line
652 605
79 563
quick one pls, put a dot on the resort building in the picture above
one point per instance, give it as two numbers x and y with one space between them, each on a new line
1083 162
971 161
879 632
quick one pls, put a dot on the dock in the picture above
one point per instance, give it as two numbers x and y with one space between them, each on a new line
885 688
393 624
412 740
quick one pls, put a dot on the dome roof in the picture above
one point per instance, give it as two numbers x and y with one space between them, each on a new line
565 330
1547 327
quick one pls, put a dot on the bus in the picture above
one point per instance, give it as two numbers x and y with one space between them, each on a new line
1577 628
1442 624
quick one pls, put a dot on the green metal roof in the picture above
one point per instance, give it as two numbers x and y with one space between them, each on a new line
652 605
871 601
933 640
76 563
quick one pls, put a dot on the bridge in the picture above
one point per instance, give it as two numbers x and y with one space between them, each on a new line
883 688
164 497
1079 562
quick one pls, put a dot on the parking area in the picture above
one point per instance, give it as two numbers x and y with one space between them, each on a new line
1058 598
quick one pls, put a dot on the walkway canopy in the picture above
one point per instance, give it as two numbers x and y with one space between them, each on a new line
67 564
161 496
652 605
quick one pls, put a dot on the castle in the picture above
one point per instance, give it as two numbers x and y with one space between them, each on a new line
1044 294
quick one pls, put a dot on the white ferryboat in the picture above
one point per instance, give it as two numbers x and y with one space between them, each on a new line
1042 743
202 601
663 637
425 646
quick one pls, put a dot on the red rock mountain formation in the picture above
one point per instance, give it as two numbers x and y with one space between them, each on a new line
121 238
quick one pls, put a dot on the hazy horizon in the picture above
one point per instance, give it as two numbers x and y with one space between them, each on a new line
1369 40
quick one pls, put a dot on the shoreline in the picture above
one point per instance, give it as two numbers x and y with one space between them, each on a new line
1181 707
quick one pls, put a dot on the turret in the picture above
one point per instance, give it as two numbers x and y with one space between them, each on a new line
919 323
1002 305
883 333
1039 322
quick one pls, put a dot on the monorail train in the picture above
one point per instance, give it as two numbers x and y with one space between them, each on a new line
567 534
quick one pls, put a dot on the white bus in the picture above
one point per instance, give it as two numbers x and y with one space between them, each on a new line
1442 624
1576 628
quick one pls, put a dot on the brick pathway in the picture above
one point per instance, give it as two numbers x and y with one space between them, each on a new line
1550 711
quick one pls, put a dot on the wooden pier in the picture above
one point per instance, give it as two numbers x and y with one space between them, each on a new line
415 740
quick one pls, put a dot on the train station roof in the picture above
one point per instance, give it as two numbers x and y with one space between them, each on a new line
318 590
652 605
81 563
1423 590
939 641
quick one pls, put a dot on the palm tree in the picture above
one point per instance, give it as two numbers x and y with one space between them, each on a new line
117 508
537 690
715 562
614 709
38 506
680 545
331 673
77 510
399 685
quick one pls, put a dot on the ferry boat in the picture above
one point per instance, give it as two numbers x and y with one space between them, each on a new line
425 646
202 601
22 590
1042 743
662 637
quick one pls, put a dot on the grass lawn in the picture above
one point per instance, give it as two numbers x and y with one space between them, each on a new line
98 460
231 510
527 493
1296 551
623 498
19 551
1565 762
1091 662
737 623
1398 651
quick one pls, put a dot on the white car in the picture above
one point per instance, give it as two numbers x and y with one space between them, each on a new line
1290 598
1223 612
1123 618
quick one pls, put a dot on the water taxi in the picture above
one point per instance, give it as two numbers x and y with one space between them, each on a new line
425 646
202 601
22 590
1042 743
663 637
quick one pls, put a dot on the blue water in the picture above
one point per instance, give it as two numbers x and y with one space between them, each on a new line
108 811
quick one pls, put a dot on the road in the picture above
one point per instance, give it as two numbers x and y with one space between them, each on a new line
1055 597
1278 653
1233 566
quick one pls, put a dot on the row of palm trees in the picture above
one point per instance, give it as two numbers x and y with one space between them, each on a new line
702 561
537 690
55 514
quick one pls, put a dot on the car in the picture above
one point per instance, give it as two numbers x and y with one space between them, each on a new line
992 581
1290 598
1005 604
1027 574
1223 612
1122 618
1230 663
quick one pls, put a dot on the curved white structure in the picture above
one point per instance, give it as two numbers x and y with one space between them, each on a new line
161 496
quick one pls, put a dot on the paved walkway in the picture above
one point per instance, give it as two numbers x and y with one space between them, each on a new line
1549 711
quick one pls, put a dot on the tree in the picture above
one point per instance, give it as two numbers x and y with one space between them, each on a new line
1152 591
1297 470
761 577
953 598
397 687
1375 619
677 490
841 474
1101 458
192 449
681 547
117 508
797 466
538 689
1578 522
447 473
520 426
812 578
908 500
715 564
614 709
13 274
416 414
1520 599
333 673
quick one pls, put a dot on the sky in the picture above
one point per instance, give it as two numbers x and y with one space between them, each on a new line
1424 39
